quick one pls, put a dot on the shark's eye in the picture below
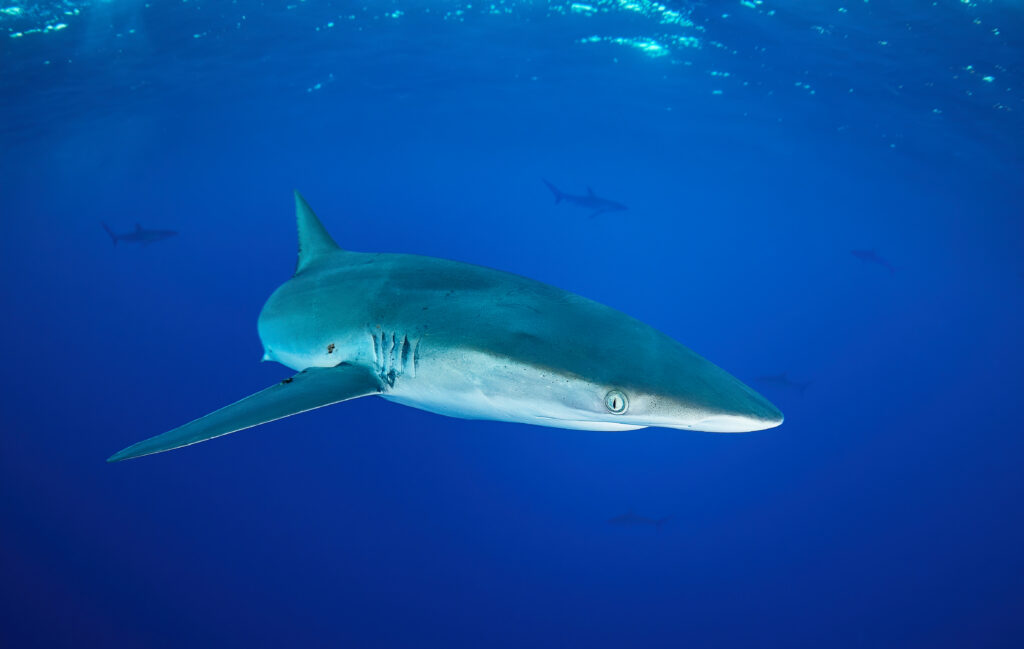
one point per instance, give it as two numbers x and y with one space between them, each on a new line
616 402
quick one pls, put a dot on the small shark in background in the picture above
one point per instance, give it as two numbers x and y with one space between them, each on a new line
872 257
139 235
783 381
631 519
591 201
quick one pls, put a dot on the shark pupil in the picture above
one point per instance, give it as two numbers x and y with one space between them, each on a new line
616 402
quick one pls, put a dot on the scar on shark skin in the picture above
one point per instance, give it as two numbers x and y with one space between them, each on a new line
330 348
287 380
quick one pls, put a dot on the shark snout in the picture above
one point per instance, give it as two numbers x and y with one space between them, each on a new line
717 402
747 411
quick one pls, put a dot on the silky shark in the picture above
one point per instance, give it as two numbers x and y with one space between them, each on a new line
139 235
632 519
590 200
872 257
783 381
471 342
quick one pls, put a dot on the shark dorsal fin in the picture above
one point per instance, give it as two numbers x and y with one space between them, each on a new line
590 191
314 242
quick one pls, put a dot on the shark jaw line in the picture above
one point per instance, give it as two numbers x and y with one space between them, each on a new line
580 424
728 424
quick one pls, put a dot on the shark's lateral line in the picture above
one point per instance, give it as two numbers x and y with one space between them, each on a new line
468 341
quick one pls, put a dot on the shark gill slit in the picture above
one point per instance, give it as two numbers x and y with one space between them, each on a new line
392 369
394 355
378 355
415 356
405 352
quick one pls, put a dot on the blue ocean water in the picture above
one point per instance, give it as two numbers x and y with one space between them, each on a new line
756 143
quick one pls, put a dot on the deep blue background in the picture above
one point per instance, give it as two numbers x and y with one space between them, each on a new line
886 511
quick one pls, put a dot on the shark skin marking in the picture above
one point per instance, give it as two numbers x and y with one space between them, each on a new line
471 342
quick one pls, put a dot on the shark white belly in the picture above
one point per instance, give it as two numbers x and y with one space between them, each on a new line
477 385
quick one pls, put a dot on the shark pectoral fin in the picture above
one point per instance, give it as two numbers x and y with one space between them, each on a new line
309 389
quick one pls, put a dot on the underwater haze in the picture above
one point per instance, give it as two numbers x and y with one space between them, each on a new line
826 199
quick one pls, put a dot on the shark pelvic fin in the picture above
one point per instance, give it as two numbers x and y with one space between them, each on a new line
309 389
314 241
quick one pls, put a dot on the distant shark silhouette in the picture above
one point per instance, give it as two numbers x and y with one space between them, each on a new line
872 257
139 235
631 519
591 201
470 342
783 380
